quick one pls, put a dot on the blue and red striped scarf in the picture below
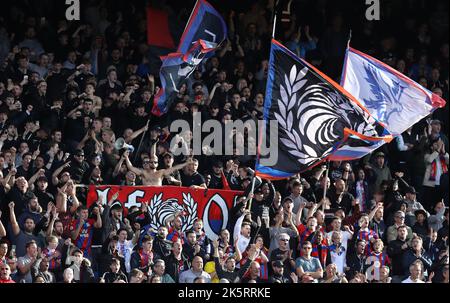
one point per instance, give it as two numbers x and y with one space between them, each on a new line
434 168
145 258
53 263
367 235
320 252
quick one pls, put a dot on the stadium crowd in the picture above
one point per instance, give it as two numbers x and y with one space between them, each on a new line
69 90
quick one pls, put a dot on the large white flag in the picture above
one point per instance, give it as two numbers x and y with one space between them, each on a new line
392 98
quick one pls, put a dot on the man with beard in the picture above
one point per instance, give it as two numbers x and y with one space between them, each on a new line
78 167
192 247
175 231
21 237
278 275
216 176
32 211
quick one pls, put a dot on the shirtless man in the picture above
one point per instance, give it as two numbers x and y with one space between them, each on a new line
149 174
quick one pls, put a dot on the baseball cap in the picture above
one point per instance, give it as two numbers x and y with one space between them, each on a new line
42 179
155 128
168 154
258 190
435 122
277 263
287 199
420 211
218 164
116 205
411 190
79 152
379 154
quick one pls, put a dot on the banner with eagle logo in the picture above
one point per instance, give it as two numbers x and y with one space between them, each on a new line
315 115
211 205
391 97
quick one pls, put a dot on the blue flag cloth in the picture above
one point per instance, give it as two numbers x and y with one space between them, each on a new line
176 68
392 98
204 32
204 24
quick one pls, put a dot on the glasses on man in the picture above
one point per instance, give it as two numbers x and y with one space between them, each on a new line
401 217
307 247
284 240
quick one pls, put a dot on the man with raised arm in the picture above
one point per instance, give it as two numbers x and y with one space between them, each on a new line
150 175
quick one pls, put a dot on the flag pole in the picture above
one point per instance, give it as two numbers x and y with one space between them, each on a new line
274 25
325 186
140 143
249 205
349 38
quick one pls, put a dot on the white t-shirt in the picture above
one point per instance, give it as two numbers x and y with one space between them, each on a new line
411 281
126 249
339 258
345 237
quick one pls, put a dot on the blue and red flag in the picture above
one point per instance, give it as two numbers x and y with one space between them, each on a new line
391 97
204 24
175 69
204 32
315 116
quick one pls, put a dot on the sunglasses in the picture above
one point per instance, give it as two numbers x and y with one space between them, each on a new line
400 217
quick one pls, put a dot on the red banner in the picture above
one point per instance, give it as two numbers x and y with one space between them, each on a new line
210 205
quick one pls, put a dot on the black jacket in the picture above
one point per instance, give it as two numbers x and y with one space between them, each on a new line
174 267
162 247
189 250
233 277
355 264
396 252
111 277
